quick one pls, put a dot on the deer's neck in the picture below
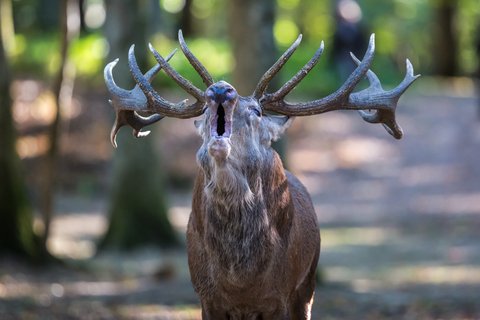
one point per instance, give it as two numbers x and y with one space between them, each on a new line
240 221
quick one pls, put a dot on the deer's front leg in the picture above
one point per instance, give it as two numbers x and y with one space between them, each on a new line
209 312
282 313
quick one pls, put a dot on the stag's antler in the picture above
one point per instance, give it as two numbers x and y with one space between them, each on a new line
374 97
143 98
127 103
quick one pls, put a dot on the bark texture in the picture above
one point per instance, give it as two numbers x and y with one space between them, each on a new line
16 232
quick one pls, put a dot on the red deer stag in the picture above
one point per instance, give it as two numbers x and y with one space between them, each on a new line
253 240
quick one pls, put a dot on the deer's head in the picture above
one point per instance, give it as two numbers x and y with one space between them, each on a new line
235 127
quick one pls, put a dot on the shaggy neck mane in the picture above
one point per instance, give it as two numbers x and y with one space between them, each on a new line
237 224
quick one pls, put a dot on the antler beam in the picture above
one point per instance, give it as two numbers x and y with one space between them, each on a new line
374 97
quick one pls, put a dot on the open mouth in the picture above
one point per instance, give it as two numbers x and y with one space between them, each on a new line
221 127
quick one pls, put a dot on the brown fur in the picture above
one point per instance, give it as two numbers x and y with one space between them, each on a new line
253 239
260 267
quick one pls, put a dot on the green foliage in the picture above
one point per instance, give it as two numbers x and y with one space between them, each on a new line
403 28
215 55
88 53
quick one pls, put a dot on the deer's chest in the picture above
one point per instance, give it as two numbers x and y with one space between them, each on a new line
241 244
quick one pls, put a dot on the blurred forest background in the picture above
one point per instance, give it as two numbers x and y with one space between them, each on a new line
92 232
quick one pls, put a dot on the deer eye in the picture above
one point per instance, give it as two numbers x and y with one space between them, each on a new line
256 111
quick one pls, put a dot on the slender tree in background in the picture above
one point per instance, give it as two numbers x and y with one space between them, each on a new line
186 23
16 232
251 29
62 88
445 57
138 211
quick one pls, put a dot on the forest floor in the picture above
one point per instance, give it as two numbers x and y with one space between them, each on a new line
399 220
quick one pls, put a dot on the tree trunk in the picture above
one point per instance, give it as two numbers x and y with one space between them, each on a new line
62 88
16 232
446 44
186 23
138 211
251 29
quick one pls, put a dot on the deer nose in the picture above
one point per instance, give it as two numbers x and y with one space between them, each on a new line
221 92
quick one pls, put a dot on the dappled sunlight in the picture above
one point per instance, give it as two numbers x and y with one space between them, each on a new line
285 31
288 4
336 237
173 6
362 280
378 278
64 247
156 311
178 217
35 105
214 54
88 54
32 146
95 14
356 151
350 11
313 160
348 153
74 235
331 123
463 274
459 87
78 225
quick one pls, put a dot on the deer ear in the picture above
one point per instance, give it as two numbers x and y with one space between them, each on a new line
199 126
276 125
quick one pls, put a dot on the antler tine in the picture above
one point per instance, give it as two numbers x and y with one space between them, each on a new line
407 81
387 116
295 80
108 76
126 103
336 100
134 120
156 104
153 72
206 77
181 81
272 72
359 72
374 97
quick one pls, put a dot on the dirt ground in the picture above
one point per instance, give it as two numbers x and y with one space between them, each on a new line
399 220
